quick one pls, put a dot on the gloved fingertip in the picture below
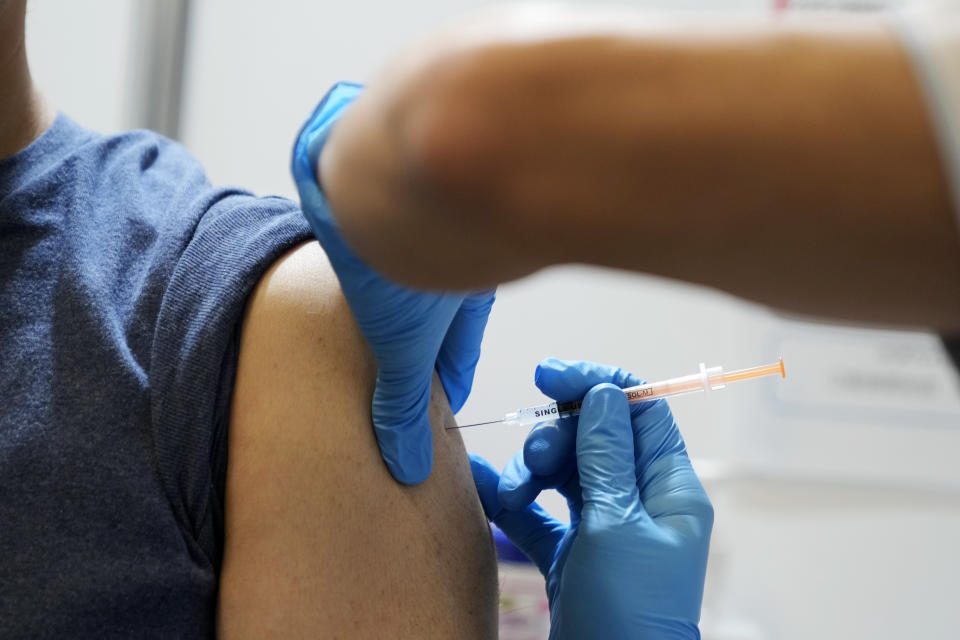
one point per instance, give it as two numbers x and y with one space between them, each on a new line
538 455
480 467
546 368
456 375
548 447
480 302
460 350
457 386
408 452
410 471
486 479
565 380
517 497
518 487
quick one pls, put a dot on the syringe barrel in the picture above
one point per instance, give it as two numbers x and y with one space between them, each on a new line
709 378
533 415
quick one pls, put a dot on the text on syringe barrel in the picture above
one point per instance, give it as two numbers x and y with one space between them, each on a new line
640 393
635 394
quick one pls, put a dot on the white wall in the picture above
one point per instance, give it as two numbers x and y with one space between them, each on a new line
837 490
80 55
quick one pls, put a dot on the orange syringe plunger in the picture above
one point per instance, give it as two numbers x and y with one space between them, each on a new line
754 372
707 379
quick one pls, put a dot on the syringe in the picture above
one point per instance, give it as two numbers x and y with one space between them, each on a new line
708 379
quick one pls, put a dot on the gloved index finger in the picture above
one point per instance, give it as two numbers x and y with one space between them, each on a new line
566 380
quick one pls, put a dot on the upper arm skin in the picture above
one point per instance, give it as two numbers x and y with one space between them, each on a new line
320 540
789 161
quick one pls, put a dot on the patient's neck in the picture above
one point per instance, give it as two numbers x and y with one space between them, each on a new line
23 114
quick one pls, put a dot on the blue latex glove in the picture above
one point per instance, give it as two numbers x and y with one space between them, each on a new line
410 332
632 562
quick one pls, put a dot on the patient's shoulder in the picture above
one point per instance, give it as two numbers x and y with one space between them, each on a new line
320 540
298 295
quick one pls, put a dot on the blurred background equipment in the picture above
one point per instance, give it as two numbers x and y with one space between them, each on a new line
524 609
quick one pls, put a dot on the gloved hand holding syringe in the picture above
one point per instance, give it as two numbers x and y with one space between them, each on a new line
707 379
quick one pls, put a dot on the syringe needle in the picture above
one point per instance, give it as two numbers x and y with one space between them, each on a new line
475 424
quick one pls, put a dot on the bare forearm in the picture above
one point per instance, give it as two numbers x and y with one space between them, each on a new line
787 163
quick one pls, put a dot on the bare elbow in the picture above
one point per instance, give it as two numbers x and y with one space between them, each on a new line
429 156
457 141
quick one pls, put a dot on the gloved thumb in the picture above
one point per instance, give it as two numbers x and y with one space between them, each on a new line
519 486
532 530
403 429
306 152
605 457
460 350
